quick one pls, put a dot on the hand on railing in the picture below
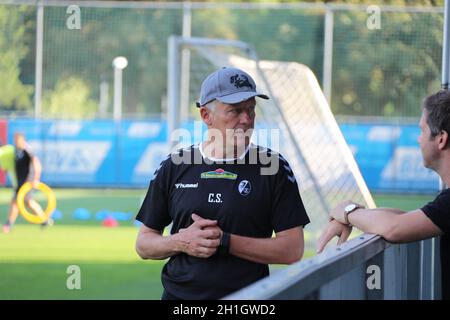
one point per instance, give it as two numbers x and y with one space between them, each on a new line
332 229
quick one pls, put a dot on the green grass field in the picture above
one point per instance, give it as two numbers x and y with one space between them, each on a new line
34 261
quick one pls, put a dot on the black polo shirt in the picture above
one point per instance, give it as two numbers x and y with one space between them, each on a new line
439 212
251 196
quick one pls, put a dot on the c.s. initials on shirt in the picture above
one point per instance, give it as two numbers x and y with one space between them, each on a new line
215 198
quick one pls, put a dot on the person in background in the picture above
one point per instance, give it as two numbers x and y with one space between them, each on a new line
27 168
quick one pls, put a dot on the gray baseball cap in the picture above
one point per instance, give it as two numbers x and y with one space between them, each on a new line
228 85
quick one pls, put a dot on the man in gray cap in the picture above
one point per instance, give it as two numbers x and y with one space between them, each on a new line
223 209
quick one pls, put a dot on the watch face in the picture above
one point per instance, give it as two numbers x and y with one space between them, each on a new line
350 207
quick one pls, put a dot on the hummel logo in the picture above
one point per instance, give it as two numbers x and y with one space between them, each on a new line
187 185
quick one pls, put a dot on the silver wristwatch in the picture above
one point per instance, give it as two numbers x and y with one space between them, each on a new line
349 209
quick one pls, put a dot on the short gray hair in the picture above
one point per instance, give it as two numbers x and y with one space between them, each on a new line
211 105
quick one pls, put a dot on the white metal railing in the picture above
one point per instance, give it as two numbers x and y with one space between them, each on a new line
366 267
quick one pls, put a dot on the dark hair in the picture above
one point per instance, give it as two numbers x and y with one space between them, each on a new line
438 112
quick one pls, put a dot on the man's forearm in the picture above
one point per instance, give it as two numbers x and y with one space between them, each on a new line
158 247
377 221
390 210
278 250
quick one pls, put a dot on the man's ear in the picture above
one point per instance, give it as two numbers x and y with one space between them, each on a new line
443 140
205 114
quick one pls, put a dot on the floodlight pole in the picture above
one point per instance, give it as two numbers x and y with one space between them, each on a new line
328 53
185 63
119 63
173 88
38 67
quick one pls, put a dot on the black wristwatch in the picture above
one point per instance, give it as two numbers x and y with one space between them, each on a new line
224 247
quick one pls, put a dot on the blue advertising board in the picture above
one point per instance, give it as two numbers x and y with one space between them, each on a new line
105 153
